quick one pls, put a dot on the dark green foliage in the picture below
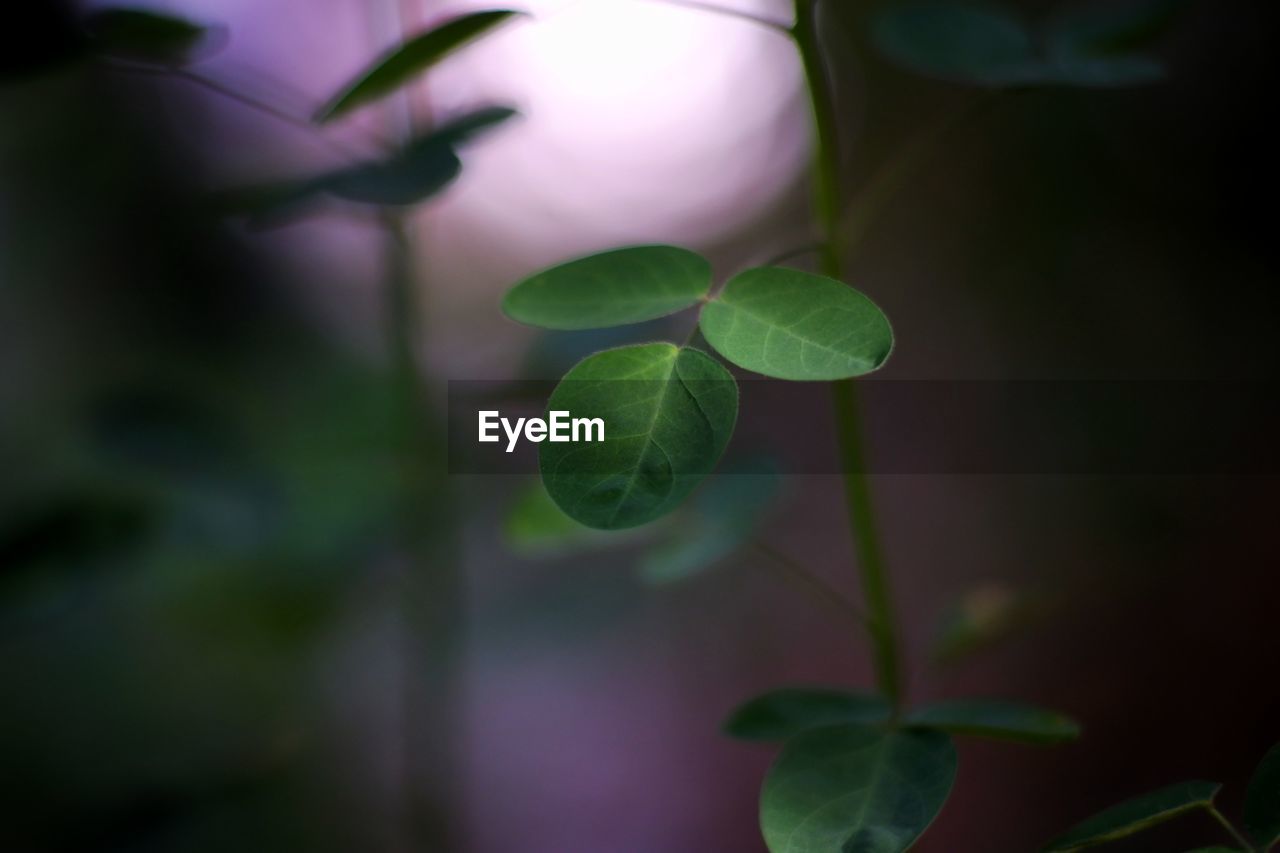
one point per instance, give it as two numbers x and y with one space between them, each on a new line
613 288
410 59
849 789
144 35
794 325
1089 45
421 169
785 712
998 720
1262 801
669 413
1137 814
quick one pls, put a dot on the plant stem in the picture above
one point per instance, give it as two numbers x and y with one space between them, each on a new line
799 574
223 90
862 521
1230 828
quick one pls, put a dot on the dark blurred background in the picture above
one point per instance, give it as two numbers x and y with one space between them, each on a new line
243 606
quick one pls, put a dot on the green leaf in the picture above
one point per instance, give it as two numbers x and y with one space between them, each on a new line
611 289
1137 814
784 713
537 527
143 35
999 720
668 415
966 44
1262 801
464 128
847 789
425 167
724 514
794 325
410 59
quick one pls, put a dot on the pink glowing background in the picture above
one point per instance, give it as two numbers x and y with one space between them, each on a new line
641 121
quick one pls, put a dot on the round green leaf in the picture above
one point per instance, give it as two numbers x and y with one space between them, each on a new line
783 713
965 44
409 59
1137 814
1262 801
611 289
668 415
795 325
999 720
840 789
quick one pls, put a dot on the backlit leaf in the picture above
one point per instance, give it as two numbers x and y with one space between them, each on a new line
410 59
668 414
794 325
784 713
611 289
848 789
537 527
1262 801
1137 814
999 720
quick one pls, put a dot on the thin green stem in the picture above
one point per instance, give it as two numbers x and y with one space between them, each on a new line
1235 834
881 621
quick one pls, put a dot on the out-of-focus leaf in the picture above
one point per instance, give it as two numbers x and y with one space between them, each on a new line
668 414
972 44
795 325
537 527
1137 814
785 712
982 617
425 167
979 45
612 288
998 720
410 59
1093 44
144 35
723 515
209 486
463 128
1110 27
849 788
1262 801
